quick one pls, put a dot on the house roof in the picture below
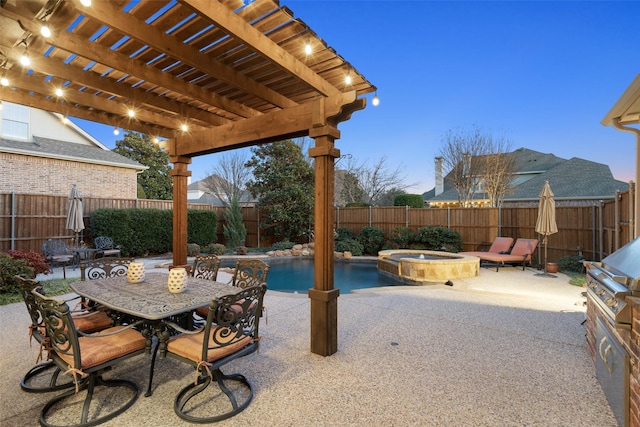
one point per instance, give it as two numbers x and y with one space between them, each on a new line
64 150
569 179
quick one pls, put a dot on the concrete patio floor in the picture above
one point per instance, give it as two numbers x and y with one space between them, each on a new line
505 348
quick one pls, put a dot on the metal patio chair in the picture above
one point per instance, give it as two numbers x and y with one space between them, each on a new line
106 247
206 267
86 357
87 322
230 332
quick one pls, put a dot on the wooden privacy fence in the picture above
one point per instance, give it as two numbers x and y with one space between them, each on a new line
27 220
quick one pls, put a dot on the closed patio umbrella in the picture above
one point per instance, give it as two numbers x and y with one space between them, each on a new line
546 223
75 221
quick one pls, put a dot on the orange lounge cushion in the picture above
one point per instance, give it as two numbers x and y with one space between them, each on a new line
91 322
189 346
98 349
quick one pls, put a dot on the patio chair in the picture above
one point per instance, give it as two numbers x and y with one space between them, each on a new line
106 247
86 357
250 272
521 252
500 245
230 332
206 267
87 322
104 267
57 253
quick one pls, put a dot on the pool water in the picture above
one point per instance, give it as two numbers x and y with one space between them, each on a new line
296 275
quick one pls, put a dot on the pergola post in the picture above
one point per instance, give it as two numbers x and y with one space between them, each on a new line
324 298
180 173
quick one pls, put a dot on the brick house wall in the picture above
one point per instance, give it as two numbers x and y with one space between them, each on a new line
41 175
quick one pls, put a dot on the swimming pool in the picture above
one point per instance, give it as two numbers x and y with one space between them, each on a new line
296 275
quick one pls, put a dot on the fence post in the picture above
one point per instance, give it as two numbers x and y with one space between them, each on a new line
406 216
13 220
616 225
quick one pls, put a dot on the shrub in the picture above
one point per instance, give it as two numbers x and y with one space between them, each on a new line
343 233
242 250
372 239
401 236
283 245
193 249
411 200
216 249
439 238
350 245
571 263
34 260
10 267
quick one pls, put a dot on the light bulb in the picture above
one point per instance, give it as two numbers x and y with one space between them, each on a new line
184 127
347 79
59 92
307 48
45 31
65 120
86 3
24 59
116 131
131 113
375 101
4 81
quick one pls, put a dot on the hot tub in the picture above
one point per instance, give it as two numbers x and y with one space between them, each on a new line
417 266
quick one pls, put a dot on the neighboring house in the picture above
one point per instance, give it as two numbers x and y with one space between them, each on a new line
573 182
39 154
197 192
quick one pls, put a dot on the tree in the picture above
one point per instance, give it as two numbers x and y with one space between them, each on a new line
155 181
375 185
227 180
234 230
283 183
476 161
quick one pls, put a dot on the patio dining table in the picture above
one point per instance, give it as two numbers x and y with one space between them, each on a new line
151 301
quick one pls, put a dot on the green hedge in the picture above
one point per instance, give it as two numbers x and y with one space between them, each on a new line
142 231
411 200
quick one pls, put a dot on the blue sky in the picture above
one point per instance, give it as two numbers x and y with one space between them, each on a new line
540 73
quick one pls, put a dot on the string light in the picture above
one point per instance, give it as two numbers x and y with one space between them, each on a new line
308 50
184 127
59 92
131 113
4 81
24 59
347 79
86 3
116 131
45 30
375 101
65 120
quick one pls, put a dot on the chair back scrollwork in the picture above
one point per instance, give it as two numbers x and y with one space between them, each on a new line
250 272
206 267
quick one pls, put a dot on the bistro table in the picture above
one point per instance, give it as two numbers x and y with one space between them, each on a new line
150 300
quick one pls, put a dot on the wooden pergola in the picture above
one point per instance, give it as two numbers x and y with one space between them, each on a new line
623 115
206 76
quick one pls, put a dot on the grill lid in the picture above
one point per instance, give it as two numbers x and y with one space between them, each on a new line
626 262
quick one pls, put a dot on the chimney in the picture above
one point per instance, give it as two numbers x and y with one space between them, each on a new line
439 177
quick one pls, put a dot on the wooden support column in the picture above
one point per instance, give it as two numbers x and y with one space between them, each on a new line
180 173
324 298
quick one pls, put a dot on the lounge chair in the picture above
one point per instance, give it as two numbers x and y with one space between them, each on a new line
500 245
520 253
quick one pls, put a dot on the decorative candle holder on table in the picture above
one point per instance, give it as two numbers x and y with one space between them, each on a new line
135 272
177 280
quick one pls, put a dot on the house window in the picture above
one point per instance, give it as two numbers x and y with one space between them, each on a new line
15 121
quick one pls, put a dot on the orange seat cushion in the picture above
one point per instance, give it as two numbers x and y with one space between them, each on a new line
97 349
96 321
189 346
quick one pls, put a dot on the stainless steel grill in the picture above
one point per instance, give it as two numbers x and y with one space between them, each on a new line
610 281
